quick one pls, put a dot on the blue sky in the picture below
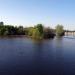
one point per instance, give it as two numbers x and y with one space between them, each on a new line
30 12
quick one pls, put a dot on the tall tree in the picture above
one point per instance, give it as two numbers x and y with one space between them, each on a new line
59 30
40 28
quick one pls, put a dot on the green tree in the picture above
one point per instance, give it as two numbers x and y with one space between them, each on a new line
2 30
36 34
40 29
59 30
30 31
21 30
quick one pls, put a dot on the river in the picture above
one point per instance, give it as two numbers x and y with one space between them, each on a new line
24 56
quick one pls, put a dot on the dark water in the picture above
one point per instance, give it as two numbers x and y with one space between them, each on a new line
22 56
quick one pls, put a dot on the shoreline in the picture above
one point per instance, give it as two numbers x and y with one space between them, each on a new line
23 36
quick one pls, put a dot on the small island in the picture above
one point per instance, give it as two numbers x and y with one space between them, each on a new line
36 32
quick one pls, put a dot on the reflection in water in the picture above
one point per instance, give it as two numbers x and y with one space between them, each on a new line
22 56
59 56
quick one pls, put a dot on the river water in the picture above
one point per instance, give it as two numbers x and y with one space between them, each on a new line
24 56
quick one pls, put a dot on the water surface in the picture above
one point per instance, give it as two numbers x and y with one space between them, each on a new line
24 56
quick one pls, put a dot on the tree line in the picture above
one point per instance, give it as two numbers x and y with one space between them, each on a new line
36 32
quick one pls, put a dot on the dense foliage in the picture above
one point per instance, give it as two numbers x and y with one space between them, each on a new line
11 30
39 32
48 33
36 32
